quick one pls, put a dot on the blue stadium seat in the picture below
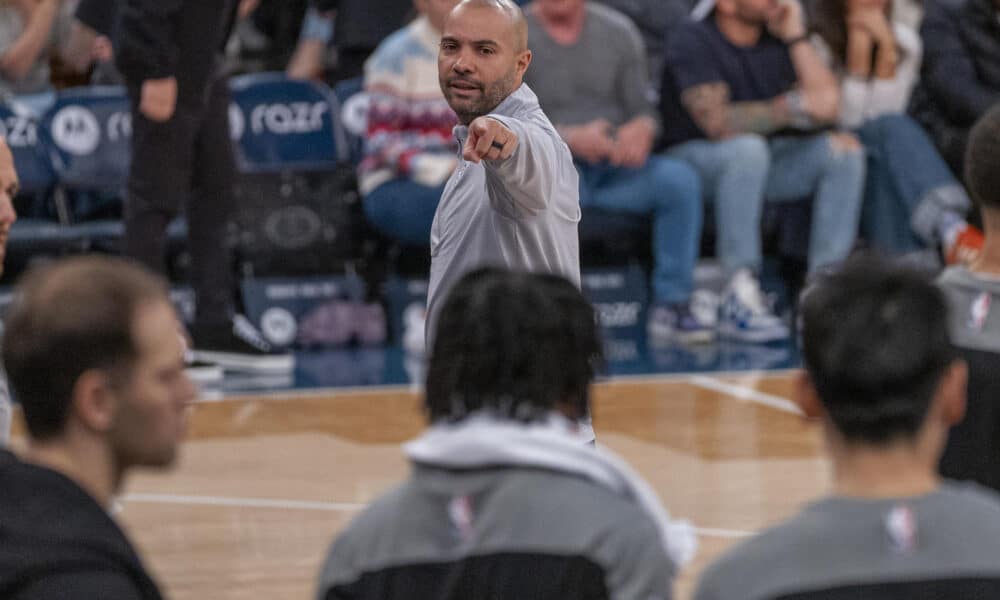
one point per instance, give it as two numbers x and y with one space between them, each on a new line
353 115
280 125
89 131
31 158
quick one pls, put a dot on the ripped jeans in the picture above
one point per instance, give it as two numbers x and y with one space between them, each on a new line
739 174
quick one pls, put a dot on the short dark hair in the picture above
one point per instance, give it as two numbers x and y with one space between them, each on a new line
516 344
67 318
981 155
875 344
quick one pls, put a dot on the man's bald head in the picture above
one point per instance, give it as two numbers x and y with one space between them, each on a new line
483 56
514 16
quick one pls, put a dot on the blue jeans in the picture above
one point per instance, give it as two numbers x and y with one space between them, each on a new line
403 210
670 192
741 173
909 186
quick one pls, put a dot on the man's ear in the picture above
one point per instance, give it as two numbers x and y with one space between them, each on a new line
94 404
523 60
806 397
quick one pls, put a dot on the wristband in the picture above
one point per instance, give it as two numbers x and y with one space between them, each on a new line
795 40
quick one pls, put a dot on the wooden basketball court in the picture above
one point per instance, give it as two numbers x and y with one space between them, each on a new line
265 483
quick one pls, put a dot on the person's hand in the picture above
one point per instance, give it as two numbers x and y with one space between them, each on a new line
247 7
102 52
633 143
489 139
159 98
874 23
822 105
591 142
785 22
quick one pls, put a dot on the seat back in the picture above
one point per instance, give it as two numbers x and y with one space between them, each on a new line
88 132
280 125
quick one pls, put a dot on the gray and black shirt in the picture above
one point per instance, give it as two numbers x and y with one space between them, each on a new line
944 545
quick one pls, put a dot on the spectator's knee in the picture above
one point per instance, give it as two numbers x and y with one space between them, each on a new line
887 127
845 147
678 179
746 151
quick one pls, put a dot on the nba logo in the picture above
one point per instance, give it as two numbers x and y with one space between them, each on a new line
461 515
901 525
979 312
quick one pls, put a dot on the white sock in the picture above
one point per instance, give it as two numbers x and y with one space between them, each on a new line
949 226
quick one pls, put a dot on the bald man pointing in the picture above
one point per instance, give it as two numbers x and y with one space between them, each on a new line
514 200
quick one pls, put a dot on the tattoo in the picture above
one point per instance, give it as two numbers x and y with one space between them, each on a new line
710 108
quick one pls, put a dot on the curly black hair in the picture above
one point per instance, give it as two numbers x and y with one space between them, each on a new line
517 344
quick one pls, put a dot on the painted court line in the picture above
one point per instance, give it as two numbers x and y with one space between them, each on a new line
213 396
745 393
241 502
321 506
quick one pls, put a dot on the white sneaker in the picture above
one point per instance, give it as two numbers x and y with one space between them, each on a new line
744 315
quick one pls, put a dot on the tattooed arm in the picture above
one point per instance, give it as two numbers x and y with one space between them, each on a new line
710 108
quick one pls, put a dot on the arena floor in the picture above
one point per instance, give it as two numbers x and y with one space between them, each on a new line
267 480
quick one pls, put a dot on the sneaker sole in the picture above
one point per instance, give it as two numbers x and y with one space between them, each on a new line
231 361
658 336
205 375
729 332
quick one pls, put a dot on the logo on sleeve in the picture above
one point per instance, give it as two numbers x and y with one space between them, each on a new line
461 514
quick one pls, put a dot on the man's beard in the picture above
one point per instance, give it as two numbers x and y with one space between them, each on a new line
490 98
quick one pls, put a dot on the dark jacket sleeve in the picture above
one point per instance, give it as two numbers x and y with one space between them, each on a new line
74 586
949 73
147 44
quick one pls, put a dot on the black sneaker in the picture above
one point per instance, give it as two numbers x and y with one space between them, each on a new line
205 374
239 347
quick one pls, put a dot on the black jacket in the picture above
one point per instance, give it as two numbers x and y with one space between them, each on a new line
57 543
960 77
363 24
174 38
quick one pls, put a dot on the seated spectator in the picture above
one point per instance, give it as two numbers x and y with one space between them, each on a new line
409 149
884 382
912 200
93 354
505 499
973 291
90 41
588 70
29 31
745 100
960 76
654 19
353 27
8 190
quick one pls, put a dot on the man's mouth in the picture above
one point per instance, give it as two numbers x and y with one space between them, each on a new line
461 85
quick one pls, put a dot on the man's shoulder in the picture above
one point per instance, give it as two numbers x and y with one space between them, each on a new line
400 45
611 18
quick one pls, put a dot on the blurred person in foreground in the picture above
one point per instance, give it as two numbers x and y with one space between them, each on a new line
93 356
505 499
885 384
8 190
973 292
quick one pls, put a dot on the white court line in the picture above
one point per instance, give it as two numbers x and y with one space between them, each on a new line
745 393
241 502
212 396
322 506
